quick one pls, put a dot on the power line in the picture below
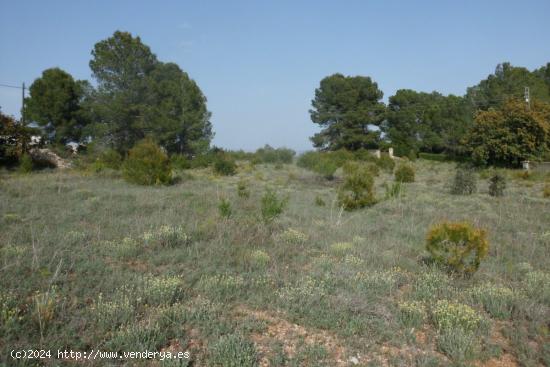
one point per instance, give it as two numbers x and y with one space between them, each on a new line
10 86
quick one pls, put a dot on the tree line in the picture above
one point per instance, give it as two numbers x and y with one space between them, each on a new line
491 123
136 96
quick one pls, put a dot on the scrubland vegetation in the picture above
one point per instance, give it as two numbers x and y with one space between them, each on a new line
251 269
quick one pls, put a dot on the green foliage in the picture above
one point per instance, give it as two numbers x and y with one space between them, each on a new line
242 189
147 164
393 191
344 107
497 184
140 96
426 122
404 173
508 81
324 164
180 161
464 182
271 206
224 208
433 157
498 301
14 140
225 166
546 190
57 102
319 201
25 164
232 351
267 154
457 246
357 190
108 158
386 163
511 134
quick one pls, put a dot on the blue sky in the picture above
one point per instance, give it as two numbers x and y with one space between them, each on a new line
259 62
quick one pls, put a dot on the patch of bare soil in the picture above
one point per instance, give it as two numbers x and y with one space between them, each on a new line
290 335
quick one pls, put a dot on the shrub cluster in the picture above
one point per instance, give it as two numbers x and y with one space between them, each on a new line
464 182
404 173
457 246
147 164
225 166
497 185
357 191
272 206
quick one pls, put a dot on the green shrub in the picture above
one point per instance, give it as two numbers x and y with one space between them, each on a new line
224 207
271 206
233 351
326 168
25 163
393 191
268 154
180 161
225 166
457 246
439 157
319 201
242 189
404 173
412 155
308 160
386 163
546 190
499 302
147 164
412 313
111 158
357 191
497 185
464 182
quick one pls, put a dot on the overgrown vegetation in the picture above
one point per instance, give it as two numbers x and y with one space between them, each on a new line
147 164
161 268
457 246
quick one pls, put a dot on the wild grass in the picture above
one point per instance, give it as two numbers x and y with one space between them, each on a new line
88 260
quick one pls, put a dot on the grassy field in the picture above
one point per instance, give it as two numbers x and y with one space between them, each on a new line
90 262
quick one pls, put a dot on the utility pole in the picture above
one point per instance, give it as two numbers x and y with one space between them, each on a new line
527 99
23 105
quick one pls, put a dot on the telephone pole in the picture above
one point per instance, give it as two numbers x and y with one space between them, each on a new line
527 98
23 105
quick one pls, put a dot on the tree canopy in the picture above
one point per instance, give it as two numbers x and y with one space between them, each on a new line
511 134
139 96
345 108
55 103
509 82
426 122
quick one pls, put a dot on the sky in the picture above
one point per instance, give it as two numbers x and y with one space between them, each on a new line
259 62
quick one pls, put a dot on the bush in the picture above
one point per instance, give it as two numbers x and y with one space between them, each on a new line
393 191
268 154
242 189
180 161
224 207
357 191
272 206
404 173
319 201
326 168
457 246
433 157
25 163
497 185
386 163
546 190
147 164
225 166
464 182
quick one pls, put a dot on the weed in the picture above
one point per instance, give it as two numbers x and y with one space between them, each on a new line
404 173
224 208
